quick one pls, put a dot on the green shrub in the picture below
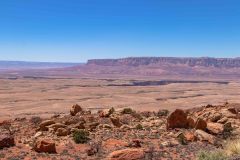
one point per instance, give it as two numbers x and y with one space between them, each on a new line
162 112
181 139
214 155
111 111
35 120
139 127
127 111
81 136
137 115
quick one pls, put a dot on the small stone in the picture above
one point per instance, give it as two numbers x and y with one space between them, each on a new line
38 134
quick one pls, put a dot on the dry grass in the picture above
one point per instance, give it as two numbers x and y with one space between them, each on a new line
233 147
212 155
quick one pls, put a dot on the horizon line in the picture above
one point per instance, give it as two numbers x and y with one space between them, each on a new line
43 61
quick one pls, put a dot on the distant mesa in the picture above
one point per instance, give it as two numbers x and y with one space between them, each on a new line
192 62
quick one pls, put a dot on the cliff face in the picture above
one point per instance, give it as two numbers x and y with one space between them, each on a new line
143 61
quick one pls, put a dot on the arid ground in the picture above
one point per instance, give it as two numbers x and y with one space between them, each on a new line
55 95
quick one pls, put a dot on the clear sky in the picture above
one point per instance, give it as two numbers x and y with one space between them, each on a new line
77 30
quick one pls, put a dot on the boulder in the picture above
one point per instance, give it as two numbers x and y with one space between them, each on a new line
170 143
215 117
44 124
228 114
215 128
62 132
189 136
177 119
218 128
233 110
201 124
223 120
75 109
203 136
116 121
45 145
104 126
56 126
191 122
6 141
125 128
92 126
74 120
127 154
106 113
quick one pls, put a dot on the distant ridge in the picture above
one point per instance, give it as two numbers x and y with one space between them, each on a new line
192 62
8 65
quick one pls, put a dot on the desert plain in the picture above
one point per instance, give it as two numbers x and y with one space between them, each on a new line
47 96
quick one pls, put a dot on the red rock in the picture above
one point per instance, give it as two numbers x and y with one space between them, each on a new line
62 132
73 120
5 122
189 136
177 119
116 121
135 143
203 136
127 154
215 117
114 144
233 110
201 124
215 128
6 141
191 122
46 145
44 124
75 109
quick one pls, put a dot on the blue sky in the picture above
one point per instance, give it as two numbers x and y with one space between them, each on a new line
77 30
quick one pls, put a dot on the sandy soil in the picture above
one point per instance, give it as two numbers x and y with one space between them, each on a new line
47 96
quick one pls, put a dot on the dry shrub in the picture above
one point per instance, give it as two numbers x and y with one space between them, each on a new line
233 147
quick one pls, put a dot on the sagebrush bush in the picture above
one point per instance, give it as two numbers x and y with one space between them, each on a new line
111 110
162 112
35 120
81 136
139 127
127 111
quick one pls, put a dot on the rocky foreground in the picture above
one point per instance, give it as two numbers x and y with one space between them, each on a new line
120 134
